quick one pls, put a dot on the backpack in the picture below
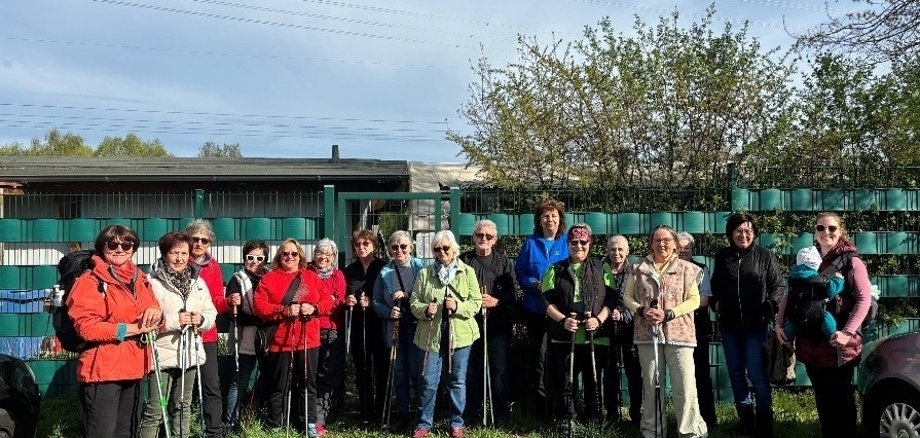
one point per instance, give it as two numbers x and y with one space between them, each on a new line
71 267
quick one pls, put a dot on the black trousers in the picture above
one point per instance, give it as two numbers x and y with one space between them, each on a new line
110 409
623 358
210 389
371 361
330 372
536 334
278 368
835 398
563 391
704 382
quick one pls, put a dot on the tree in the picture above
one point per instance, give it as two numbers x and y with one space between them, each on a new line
668 107
213 150
55 144
130 146
887 30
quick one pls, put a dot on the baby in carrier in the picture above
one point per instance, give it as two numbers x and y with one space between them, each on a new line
809 294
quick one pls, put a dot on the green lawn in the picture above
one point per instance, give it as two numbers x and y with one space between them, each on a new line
794 411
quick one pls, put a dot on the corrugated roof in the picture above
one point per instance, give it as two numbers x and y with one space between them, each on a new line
61 169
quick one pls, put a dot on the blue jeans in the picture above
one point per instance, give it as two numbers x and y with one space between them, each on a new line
456 385
408 362
744 358
247 364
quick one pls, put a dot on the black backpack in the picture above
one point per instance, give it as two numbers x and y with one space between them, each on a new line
70 268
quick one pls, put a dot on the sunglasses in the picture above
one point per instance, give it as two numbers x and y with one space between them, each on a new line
125 246
290 254
254 258
363 243
820 228
442 249
402 246
484 236
579 242
201 240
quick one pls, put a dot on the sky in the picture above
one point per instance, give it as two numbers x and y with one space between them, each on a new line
382 79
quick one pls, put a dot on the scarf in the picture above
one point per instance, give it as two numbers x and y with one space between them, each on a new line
446 273
323 273
180 280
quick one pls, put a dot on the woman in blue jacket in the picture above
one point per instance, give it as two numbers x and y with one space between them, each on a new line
547 245
391 303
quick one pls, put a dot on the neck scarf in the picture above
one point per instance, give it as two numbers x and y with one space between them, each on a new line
323 273
446 273
181 280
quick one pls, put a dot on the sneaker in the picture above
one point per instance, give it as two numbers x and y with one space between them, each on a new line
320 430
311 431
420 433
456 432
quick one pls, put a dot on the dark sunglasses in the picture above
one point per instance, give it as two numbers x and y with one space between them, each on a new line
254 258
401 246
290 254
484 236
125 246
201 240
579 242
820 228
363 243
439 249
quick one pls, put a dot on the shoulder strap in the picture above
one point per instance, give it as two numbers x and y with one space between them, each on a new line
841 263
399 277
292 289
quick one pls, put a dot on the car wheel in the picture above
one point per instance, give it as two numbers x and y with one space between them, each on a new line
900 417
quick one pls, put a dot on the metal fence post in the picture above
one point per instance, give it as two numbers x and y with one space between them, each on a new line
199 203
455 210
329 216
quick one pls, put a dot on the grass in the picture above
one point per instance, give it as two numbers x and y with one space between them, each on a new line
794 411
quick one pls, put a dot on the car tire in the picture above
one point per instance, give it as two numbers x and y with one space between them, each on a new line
898 416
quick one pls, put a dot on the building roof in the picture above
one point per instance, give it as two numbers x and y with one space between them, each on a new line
55 173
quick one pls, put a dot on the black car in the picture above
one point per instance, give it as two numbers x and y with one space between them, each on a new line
889 379
19 399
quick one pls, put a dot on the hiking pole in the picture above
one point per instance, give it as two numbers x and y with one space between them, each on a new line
487 410
349 316
306 379
427 344
236 363
387 403
183 364
591 346
618 397
197 337
288 386
571 372
450 334
656 376
152 340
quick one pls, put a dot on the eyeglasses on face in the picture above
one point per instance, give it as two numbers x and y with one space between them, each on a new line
442 249
579 242
177 253
401 246
125 246
324 254
201 240
484 236
745 231
820 228
363 243
290 254
255 258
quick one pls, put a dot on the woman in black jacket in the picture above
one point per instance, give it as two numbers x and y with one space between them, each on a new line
746 287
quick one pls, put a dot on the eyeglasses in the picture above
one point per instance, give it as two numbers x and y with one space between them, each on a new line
579 242
290 254
442 249
744 231
254 258
484 236
401 246
177 254
201 240
820 228
664 240
363 243
125 246
323 254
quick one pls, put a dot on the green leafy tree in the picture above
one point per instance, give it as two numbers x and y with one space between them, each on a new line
130 146
668 107
214 150
54 144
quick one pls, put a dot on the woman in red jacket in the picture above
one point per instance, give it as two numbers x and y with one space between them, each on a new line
330 374
111 371
292 297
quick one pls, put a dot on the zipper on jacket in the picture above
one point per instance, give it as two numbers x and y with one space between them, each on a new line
738 279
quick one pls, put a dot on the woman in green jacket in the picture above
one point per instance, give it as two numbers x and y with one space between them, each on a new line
445 300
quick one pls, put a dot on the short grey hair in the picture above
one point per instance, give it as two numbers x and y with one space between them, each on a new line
447 235
485 223
399 235
683 235
325 243
200 226
616 237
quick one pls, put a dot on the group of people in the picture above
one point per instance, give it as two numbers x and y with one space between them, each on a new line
410 326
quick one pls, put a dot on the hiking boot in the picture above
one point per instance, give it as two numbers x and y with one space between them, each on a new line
456 432
746 426
311 431
420 433
764 425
